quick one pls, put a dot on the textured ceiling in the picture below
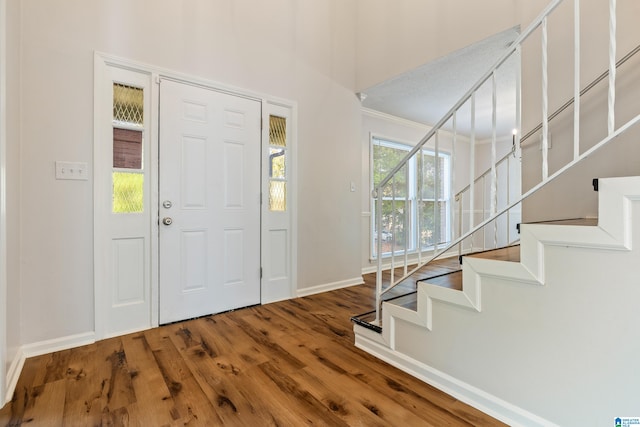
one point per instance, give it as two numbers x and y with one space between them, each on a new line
428 92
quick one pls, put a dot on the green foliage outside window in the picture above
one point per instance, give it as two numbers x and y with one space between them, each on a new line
398 218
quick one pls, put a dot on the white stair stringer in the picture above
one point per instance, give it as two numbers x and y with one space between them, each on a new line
524 308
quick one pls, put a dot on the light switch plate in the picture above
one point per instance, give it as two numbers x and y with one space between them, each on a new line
72 170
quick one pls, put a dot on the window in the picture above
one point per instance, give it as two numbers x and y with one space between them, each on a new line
277 164
128 126
415 218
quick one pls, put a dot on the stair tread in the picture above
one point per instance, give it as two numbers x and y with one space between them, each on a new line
510 253
447 272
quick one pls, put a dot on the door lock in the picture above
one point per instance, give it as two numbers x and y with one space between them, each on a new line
167 204
167 220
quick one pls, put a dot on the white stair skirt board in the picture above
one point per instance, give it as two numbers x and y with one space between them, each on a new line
329 287
509 313
38 349
479 399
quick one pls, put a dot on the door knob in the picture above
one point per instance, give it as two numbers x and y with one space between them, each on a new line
167 220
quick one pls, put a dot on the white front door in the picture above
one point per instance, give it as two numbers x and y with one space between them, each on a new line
209 196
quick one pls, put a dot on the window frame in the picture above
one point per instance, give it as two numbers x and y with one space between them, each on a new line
412 198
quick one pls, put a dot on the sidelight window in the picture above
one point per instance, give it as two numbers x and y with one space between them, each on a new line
128 135
277 164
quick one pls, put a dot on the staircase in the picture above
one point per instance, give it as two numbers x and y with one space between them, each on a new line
551 339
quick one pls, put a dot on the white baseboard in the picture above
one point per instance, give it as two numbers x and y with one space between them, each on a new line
13 374
38 349
57 344
329 287
479 399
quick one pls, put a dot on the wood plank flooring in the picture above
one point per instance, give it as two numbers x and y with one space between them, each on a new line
289 363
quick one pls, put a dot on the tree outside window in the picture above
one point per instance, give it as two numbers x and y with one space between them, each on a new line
409 217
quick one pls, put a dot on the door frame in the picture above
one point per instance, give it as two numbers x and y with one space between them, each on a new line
102 62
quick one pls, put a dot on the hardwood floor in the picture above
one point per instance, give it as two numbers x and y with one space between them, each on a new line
289 363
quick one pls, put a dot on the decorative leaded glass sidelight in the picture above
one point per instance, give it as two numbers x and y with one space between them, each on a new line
278 131
128 104
128 137
277 164
128 188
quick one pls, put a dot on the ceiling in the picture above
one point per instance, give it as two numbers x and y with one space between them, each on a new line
428 92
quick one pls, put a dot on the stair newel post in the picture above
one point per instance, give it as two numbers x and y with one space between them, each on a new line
406 226
508 183
393 228
436 195
420 183
518 128
494 171
576 79
472 166
612 66
483 180
377 194
545 104
453 180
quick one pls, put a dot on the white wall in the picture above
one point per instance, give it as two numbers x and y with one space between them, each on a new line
304 51
395 36
13 326
3 221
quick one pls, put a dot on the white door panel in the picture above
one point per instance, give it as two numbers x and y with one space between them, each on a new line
210 173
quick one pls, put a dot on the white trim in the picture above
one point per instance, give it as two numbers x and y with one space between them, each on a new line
38 349
475 397
58 344
395 119
154 201
3 198
330 286
166 73
99 219
294 195
13 374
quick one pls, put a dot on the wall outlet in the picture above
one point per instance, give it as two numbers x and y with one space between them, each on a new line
72 170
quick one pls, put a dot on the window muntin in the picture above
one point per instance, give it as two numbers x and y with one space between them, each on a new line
414 205
127 149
